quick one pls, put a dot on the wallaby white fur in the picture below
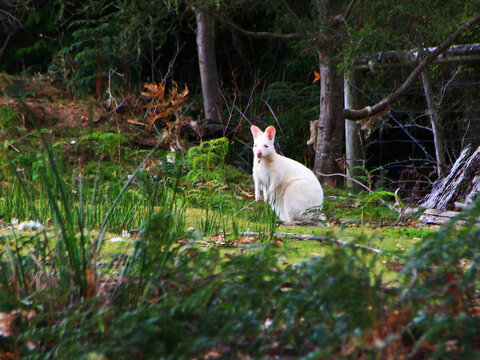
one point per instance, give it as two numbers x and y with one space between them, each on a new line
288 186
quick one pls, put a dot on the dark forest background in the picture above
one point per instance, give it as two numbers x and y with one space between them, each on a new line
102 49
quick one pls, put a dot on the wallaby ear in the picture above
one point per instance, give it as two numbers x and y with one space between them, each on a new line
255 131
270 131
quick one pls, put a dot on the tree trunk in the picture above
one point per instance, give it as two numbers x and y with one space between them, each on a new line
462 183
208 67
330 127
353 142
435 121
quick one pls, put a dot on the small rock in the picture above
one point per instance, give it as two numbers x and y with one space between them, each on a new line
30 225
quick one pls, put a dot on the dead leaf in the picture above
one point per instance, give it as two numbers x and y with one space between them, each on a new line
154 91
6 324
246 239
220 238
241 356
9 356
244 192
134 122
91 283
427 345
216 352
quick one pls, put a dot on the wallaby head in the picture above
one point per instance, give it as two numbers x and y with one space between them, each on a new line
263 142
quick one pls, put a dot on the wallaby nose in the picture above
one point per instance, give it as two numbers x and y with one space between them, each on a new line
259 154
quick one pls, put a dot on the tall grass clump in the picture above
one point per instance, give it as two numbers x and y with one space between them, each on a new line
67 202
51 280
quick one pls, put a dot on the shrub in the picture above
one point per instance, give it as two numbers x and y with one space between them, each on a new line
209 176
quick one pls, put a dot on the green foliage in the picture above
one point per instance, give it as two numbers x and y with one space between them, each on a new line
103 170
93 43
209 173
100 38
250 302
207 161
33 27
378 196
99 142
295 104
441 282
158 242
172 298
24 193
409 233
376 206
10 125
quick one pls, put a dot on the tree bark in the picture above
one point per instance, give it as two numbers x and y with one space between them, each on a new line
435 122
331 127
208 67
462 183
353 142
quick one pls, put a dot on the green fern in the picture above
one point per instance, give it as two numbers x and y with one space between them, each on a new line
209 174
377 196
207 161
104 142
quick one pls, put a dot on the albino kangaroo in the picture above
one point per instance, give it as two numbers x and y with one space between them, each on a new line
290 188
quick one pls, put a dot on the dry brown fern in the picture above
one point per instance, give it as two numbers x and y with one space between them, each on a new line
167 111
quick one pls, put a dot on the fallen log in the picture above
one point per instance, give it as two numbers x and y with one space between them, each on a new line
461 184
437 217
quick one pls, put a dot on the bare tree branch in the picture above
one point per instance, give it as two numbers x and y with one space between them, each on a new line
386 102
2 50
12 17
349 9
266 35
9 23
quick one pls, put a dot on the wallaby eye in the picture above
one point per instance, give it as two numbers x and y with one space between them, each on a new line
254 145
266 146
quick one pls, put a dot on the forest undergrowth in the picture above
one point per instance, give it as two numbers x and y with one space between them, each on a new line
159 254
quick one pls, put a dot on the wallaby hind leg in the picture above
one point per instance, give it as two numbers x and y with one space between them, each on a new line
293 205
278 205
302 202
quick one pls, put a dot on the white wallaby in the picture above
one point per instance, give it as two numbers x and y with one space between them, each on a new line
291 189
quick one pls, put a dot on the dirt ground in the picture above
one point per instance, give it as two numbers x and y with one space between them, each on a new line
52 106
49 102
